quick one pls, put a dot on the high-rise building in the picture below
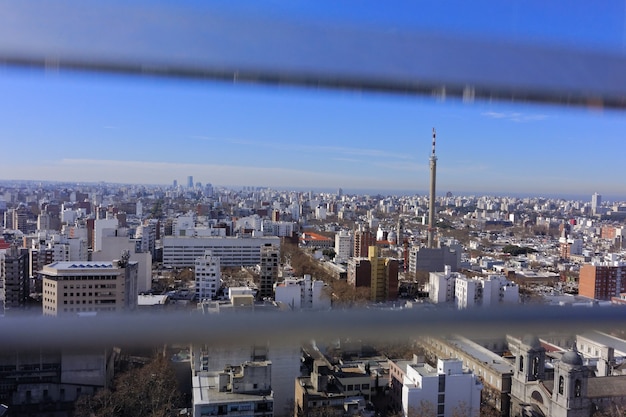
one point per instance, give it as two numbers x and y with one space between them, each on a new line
190 181
343 246
207 276
363 239
14 275
20 218
596 202
89 287
378 274
270 261
602 281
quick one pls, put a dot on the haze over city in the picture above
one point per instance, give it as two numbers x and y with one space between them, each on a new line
85 127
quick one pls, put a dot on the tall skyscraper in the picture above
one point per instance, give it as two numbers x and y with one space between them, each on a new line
596 202
190 181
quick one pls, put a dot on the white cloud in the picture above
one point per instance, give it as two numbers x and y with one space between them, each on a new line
324 149
515 116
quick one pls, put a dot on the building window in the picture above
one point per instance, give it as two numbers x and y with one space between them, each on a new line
577 388
561 383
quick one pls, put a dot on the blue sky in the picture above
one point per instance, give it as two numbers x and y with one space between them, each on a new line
86 127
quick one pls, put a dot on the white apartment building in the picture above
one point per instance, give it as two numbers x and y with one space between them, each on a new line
112 247
182 225
180 252
102 228
208 276
445 391
89 287
343 246
280 229
441 285
453 287
488 291
302 293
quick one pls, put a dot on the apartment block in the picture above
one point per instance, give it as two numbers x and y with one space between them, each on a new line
208 276
89 287
602 281
181 252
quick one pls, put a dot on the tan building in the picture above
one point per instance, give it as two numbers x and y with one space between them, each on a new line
89 287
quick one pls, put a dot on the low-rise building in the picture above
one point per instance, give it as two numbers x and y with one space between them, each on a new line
242 390
447 390
303 293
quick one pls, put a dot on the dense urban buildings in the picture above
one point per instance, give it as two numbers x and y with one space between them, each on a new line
88 250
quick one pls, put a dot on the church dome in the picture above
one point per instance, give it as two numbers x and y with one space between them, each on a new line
572 357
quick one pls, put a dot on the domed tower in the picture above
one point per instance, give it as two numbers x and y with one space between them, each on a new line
570 384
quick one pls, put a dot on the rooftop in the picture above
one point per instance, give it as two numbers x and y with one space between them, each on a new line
484 355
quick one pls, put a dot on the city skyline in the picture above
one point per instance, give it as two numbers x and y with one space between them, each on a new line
91 128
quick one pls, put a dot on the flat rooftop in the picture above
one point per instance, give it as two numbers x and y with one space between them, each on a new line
482 354
619 345
205 391
80 265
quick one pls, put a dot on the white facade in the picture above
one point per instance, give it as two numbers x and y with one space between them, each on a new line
280 229
183 225
208 276
489 291
343 246
447 390
441 286
179 252
103 228
113 246
302 293
448 287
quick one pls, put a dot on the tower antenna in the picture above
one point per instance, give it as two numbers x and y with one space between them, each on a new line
431 200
